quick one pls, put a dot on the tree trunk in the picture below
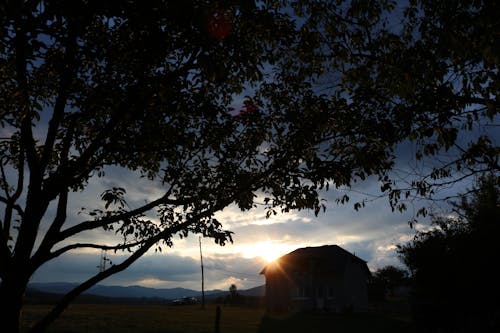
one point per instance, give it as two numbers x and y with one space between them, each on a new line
11 303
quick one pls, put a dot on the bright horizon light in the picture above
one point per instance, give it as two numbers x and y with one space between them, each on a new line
267 250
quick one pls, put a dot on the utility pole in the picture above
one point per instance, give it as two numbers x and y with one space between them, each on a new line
202 279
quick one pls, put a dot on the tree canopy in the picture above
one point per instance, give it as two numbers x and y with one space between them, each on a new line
223 102
386 279
453 286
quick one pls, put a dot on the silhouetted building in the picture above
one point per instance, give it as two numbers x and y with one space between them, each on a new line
325 278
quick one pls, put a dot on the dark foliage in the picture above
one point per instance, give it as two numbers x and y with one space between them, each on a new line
385 280
455 288
151 88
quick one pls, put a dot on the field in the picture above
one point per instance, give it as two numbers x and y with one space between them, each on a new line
107 318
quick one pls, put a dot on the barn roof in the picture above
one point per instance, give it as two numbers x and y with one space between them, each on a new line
320 259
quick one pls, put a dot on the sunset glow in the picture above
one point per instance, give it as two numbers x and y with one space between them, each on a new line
267 250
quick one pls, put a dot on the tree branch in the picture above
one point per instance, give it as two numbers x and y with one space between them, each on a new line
69 297
477 100
69 65
74 246
10 201
16 207
51 234
89 225
27 140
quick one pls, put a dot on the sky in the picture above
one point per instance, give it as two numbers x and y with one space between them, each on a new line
371 233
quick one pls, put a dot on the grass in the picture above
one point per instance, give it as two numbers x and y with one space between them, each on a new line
346 323
107 318
104 318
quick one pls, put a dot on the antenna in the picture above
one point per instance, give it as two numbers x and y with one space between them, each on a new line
202 279
102 261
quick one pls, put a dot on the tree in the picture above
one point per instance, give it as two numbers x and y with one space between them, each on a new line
233 291
389 277
150 87
454 287
234 297
425 73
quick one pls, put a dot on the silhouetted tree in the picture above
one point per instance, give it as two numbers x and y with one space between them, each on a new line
233 291
234 297
454 286
388 278
151 89
423 71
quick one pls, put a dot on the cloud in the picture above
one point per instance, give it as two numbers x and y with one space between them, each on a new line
157 270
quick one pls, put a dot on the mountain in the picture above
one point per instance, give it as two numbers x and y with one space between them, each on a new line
259 291
122 292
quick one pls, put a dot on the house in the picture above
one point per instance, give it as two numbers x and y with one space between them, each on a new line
324 278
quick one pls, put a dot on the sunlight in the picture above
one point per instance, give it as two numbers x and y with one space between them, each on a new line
267 250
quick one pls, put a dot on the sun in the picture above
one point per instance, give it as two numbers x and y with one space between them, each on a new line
267 250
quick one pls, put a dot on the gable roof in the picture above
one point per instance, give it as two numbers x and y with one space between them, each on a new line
320 259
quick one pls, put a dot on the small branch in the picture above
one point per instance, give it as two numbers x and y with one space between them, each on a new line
16 207
477 100
89 225
65 249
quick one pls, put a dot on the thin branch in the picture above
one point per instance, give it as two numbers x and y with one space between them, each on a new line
10 202
74 246
5 232
5 183
89 225
80 167
16 207
477 100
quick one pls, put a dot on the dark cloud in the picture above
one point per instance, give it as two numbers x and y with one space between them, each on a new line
157 270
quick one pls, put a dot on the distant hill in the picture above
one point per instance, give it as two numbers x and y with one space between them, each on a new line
58 288
259 291
34 296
